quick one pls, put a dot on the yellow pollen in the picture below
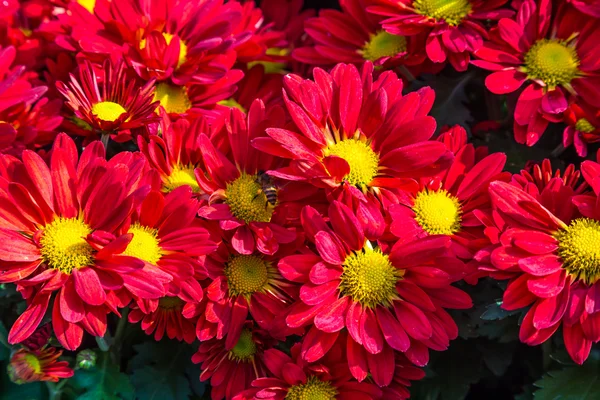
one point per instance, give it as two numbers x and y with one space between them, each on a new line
63 245
173 98
247 201
181 175
369 278
361 158
145 244
232 103
247 275
168 38
108 111
170 303
313 389
438 213
579 249
585 126
270 66
33 362
553 62
88 4
245 348
382 45
450 11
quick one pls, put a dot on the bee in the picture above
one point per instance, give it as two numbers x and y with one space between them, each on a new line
267 187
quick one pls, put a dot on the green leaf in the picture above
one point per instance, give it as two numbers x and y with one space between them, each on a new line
495 311
571 383
12 391
164 371
104 382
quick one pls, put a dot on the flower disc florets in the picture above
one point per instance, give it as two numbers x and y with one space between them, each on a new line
63 245
247 201
437 212
579 250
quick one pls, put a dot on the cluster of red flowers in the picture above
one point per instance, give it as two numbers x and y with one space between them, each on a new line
248 175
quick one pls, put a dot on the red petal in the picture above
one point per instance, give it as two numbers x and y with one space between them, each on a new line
577 345
357 359
316 294
16 247
88 286
382 366
68 334
413 320
541 265
329 248
393 333
549 311
316 344
332 318
27 322
372 338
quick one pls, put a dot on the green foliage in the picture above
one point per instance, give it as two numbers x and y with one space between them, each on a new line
571 383
164 371
103 382
450 374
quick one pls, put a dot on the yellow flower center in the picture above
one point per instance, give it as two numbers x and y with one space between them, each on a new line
108 111
168 38
231 103
63 244
579 249
145 244
450 11
553 62
173 98
245 348
247 201
370 278
383 44
313 389
585 126
270 66
181 175
361 158
170 303
88 4
438 213
33 362
247 275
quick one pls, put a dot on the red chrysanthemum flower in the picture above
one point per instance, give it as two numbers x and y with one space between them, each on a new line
56 230
241 285
232 370
38 365
168 317
552 250
176 153
251 220
387 299
589 7
534 180
167 236
115 107
194 98
355 36
558 62
178 41
356 135
448 203
292 378
25 122
583 128
454 28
